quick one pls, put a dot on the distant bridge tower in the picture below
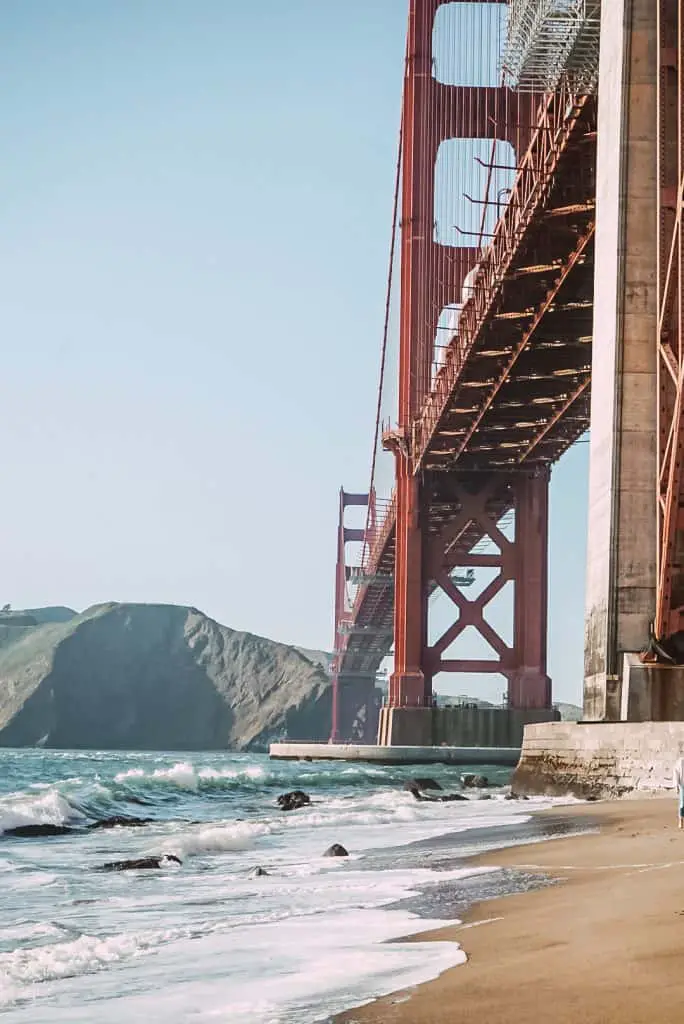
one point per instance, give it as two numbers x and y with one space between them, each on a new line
354 715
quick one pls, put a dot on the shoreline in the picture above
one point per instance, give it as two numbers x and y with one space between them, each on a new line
603 946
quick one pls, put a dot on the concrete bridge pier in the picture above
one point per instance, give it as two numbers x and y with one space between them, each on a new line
357 711
622 534
636 491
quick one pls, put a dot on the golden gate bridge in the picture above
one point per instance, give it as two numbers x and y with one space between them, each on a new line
486 356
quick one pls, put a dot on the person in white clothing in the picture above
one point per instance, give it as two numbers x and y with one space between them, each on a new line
678 780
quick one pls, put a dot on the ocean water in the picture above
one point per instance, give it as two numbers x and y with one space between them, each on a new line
206 940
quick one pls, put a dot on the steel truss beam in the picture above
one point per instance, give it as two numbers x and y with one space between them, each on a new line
558 126
527 335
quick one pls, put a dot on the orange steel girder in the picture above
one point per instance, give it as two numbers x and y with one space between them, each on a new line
669 615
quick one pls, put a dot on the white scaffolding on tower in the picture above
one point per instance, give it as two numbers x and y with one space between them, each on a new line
550 41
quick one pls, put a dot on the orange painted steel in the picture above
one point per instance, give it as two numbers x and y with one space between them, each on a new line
476 443
529 195
521 559
406 683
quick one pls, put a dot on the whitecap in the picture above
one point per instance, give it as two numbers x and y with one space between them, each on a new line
210 839
49 808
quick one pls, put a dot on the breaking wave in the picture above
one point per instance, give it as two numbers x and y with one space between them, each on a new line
49 807
72 957
197 794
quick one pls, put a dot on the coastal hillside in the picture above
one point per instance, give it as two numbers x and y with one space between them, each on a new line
153 677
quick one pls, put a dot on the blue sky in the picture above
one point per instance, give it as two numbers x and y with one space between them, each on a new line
196 202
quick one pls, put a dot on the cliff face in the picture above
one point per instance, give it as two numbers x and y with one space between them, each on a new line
155 677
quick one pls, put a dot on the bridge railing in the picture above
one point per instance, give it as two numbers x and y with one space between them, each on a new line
558 116
377 536
378 532
419 702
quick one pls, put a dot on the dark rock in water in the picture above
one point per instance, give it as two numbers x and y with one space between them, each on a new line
421 783
121 819
143 863
36 831
336 850
474 781
258 872
444 798
414 790
291 801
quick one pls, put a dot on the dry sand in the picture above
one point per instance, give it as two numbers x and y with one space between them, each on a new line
604 946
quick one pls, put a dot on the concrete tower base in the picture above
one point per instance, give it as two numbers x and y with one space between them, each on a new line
458 727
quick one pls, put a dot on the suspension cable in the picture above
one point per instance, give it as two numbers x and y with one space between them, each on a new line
385 332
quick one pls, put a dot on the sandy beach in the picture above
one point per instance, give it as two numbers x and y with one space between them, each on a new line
603 946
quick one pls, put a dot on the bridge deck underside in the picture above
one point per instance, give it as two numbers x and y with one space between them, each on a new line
522 395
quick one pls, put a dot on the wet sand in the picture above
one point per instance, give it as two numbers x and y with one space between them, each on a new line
603 946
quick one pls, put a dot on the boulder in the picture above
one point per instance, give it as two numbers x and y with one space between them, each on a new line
414 790
470 781
443 798
291 801
258 872
422 783
121 820
37 831
336 850
142 864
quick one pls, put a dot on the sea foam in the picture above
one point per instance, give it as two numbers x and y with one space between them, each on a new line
48 807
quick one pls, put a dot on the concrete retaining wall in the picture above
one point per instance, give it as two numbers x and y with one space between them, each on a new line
598 759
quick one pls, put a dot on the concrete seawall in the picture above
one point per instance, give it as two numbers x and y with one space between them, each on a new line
598 758
394 755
